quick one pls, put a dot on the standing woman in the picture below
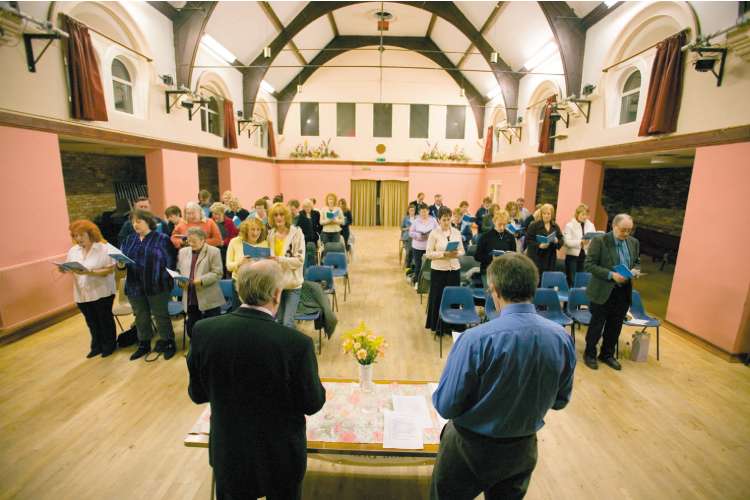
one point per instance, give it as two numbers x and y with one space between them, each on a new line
446 269
194 218
348 220
406 223
575 245
226 226
419 231
544 255
497 238
148 285
252 232
94 290
331 219
287 245
201 263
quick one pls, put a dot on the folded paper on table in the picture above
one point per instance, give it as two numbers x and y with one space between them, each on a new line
177 276
593 234
71 266
623 271
452 246
415 406
401 431
255 252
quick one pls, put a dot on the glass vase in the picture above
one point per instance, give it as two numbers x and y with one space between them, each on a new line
365 379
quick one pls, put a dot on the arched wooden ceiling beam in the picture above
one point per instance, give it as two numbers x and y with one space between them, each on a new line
188 27
570 35
342 44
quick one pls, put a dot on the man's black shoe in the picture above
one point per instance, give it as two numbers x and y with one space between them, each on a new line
93 352
590 361
169 349
160 345
611 362
143 349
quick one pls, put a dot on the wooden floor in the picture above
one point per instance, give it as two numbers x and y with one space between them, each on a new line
113 429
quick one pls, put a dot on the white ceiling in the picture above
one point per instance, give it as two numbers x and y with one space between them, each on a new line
519 31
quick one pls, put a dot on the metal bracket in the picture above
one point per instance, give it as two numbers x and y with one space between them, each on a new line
27 39
168 93
585 102
715 50
196 107
510 132
243 125
557 114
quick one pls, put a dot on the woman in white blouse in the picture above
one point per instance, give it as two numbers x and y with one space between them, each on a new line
575 245
94 288
445 267
287 244
332 218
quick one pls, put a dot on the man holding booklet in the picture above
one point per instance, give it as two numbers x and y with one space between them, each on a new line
612 261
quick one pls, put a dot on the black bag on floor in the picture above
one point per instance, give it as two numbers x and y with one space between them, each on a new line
128 337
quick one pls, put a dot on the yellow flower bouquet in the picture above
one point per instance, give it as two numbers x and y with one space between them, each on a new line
363 344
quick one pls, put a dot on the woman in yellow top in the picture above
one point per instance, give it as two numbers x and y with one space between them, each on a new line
252 232
287 243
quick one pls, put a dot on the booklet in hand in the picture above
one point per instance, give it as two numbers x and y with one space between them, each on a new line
177 276
593 234
330 215
71 266
452 246
550 238
468 219
513 228
236 221
498 253
623 271
255 252
117 254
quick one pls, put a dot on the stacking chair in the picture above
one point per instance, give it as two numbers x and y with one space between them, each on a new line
548 305
581 280
122 306
312 317
456 308
642 319
489 307
227 289
469 267
424 278
337 261
558 281
324 276
176 309
576 299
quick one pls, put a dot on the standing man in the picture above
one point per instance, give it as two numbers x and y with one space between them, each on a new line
261 379
610 292
419 201
500 380
435 208
484 210
522 209
141 203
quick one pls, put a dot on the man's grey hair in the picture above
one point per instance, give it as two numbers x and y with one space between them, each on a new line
196 231
620 218
258 282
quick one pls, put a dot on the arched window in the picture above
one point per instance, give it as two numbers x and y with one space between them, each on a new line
210 117
629 98
122 87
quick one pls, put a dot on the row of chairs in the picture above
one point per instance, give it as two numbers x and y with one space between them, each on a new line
457 308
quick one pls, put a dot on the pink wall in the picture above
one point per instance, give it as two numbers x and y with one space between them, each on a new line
455 184
172 178
249 180
709 295
31 177
517 181
300 180
580 182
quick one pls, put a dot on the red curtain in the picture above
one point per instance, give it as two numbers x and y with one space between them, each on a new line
86 91
271 140
547 145
664 88
488 145
230 134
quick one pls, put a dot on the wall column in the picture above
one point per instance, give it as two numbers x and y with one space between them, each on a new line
31 177
710 295
529 179
581 181
248 180
172 178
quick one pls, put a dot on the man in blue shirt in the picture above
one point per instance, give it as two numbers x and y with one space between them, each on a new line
500 380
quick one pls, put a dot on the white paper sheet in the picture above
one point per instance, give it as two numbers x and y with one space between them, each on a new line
415 406
431 388
401 431
455 336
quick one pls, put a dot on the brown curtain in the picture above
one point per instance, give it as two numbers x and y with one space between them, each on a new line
547 145
488 145
364 195
271 140
664 88
86 91
230 134
394 200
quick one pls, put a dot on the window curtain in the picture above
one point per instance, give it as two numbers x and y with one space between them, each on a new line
364 195
86 91
271 140
547 130
665 88
394 200
230 133
488 145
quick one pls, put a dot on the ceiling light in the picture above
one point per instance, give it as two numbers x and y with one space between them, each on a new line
266 87
209 42
267 52
494 57
494 92
610 3
544 53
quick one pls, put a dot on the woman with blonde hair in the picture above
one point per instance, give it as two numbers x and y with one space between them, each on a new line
331 219
575 245
497 238
254 233
287 244
544 254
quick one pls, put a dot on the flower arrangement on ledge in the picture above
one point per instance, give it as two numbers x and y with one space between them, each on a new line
433 153
363 344
322 151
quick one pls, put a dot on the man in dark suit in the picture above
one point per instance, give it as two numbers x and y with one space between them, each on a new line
610 292
435 208
418 201
261 379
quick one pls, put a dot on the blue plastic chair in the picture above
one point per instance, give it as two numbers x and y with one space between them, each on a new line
639 313
576 299
324 276
312 317
581 280
456 308
548 306
337 261
479 295
556 279
489 307
176 309
227 290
